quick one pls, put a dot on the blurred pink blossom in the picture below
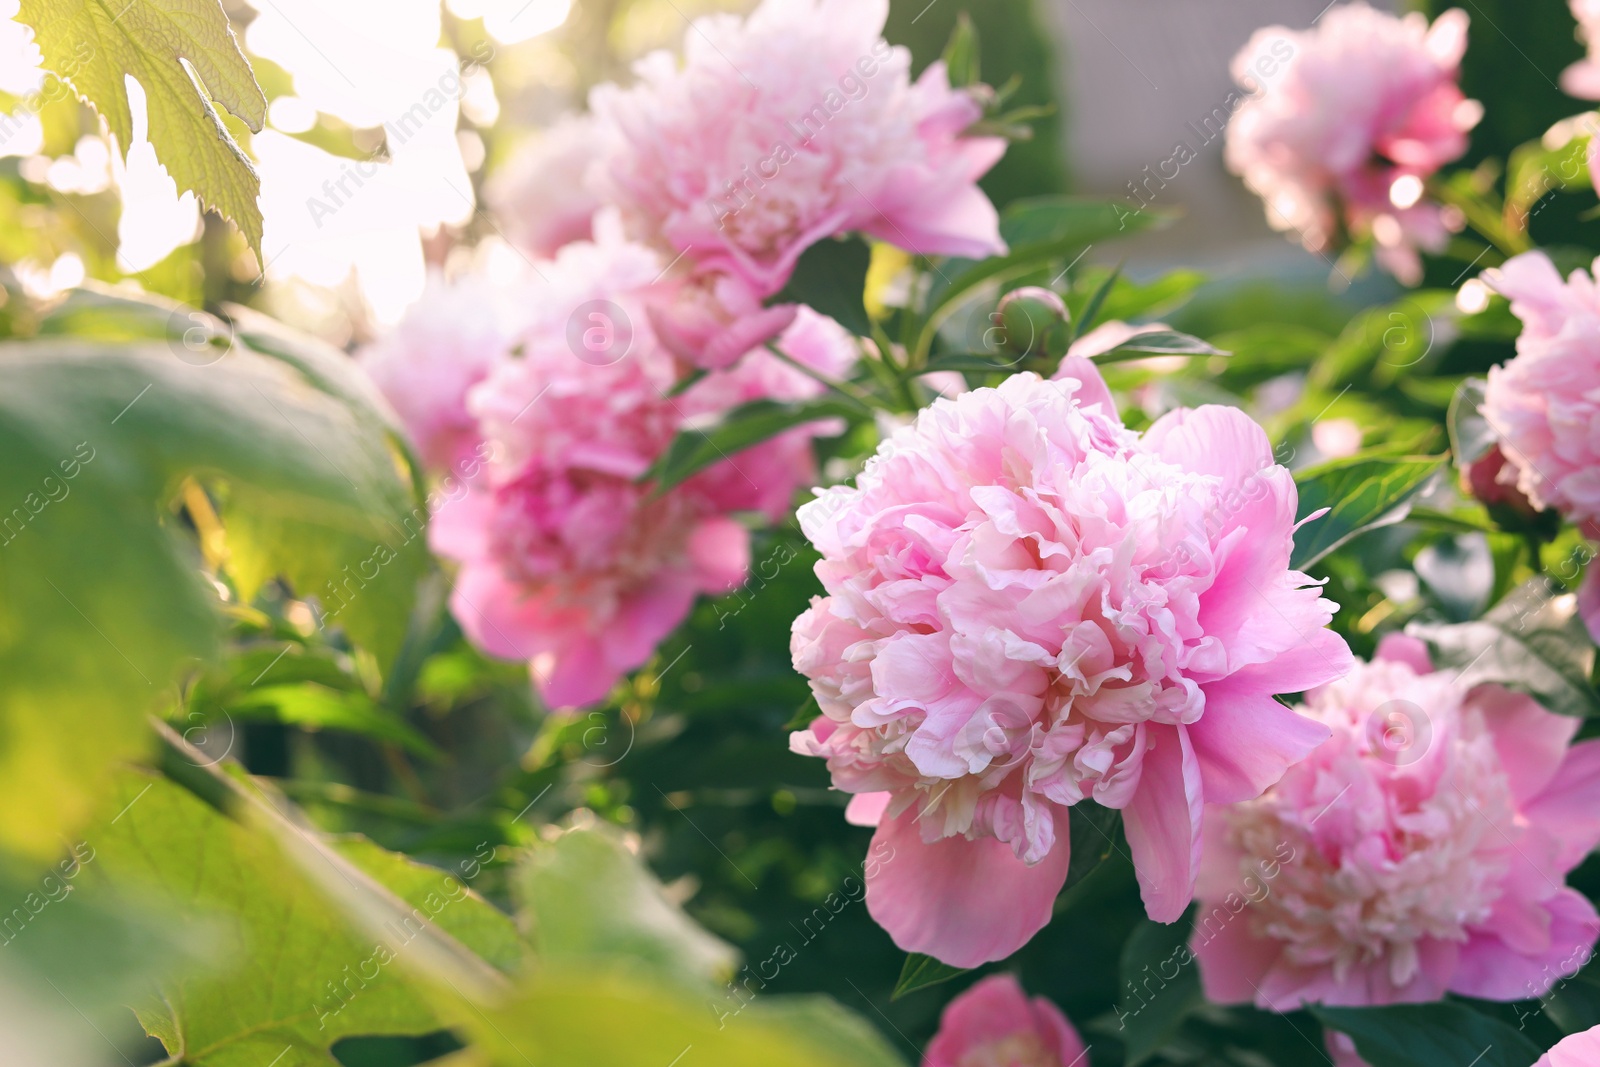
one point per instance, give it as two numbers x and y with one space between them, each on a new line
795 124
1544 405
994 1024
1423 849
566 559
1030 605
447 342
1582 79
544 196
1367 109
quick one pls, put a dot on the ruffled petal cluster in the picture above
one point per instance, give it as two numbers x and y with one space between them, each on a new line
1029 605
1544 405
1366 109
567 560
446 343
545 195
995 1024
796 123
1421 850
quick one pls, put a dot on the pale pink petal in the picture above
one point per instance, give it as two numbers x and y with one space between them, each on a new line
1531 740
1491 969
1569 806
1403 648
866 809
941 899
1246 740
1163 823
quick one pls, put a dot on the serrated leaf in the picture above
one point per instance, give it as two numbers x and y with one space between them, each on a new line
831 277
588 900
94 44
102 606
1533 641
1361 493
920 972
1404 1035
293 973
693 450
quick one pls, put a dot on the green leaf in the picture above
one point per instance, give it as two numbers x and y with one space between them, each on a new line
1404 1035
1094 834
1533 641
1039 230
318 707
961 54
920 972
693 450
1160 343
183 55
102 606
1361 493
293 973
1471 436
564 1016
831 277
590 900
1160 987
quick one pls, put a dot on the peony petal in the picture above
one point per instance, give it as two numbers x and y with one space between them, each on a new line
1246 740
866 809
1163 823
1531 741
1490 968
963 902
1403 648
1569 806
1233 963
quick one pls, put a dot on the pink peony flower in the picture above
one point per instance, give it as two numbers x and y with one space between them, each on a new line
712 318
1030 605
447 342
1365 111
1421 850
544 197
796 123
994 1024
1545 404
1582 79
1575 1050
566 560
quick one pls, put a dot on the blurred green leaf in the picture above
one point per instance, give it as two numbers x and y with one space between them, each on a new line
1404 1035
961 57
1534 641
1158 343
590 901
294 973
318 707
1160 987
103 606
1361 493
1471 436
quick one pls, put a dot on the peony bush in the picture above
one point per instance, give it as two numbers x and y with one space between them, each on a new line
771 589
